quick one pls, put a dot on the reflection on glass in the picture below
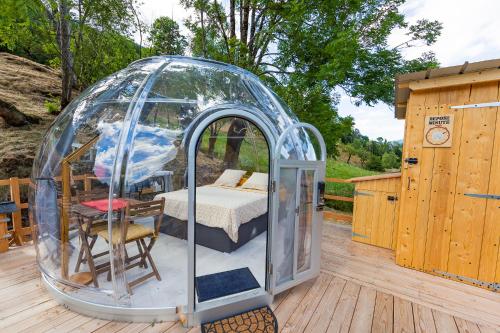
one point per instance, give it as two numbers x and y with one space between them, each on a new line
305 220
286 225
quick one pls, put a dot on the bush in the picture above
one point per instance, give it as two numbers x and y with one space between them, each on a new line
52 106
374 163
390 160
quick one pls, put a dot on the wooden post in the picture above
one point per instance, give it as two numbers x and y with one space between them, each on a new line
17 234
4 241
87 182
66 202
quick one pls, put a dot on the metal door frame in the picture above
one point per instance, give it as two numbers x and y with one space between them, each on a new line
319 167
194 313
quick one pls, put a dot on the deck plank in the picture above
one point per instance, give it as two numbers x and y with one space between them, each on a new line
383 317
403 316
423 319
290 303
342 317
360 289
304 311
444 322
326 307
363 314
465 326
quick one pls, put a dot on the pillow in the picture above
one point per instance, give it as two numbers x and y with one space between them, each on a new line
230 178
257 181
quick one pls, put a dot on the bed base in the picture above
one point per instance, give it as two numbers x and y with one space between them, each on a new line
215 238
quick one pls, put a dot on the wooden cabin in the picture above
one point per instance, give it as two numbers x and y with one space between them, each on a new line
446 220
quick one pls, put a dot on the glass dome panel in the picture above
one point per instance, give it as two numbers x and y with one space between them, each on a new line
120 142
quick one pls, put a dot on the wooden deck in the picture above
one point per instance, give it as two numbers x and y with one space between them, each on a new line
360 289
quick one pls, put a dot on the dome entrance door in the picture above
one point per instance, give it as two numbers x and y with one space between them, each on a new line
228 215
297 212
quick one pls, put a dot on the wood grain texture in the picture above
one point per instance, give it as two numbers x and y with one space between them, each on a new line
341 319
423 319
444 322
403 316
410 178
363 313
474 165
344 298
489 267
424 185
324 312
444 175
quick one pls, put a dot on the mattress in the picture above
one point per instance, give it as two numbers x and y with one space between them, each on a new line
218 206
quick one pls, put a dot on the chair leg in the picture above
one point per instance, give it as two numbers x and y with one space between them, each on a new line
90 261
79 260
141 255
147 252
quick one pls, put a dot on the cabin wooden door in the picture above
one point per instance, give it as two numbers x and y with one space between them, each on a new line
448 224
375 217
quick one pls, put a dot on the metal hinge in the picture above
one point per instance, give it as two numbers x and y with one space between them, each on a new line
273 186
475 106
363 193
483 196
270 269
491 285
354 234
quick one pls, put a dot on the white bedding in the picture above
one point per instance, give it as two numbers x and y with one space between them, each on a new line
217 206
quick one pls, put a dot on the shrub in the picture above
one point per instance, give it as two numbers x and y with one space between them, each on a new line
52 105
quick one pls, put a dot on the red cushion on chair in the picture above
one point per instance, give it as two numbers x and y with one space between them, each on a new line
103 204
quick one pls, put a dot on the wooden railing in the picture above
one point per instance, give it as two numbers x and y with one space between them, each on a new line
335 216
18 234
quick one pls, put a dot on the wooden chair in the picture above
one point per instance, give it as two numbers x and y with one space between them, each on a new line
135 232
89 229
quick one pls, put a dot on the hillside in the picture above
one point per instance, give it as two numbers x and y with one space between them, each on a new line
26 85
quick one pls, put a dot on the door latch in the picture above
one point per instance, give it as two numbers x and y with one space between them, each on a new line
411 160
392 198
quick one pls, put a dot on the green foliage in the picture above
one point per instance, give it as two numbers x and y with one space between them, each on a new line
390 160
52 105
374 163
309 50
374 154
166 38
24 30
101 34
337 169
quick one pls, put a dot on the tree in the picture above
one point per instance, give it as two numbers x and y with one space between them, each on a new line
390 160
309 50
84 33
166 38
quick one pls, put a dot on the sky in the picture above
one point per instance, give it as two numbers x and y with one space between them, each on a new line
470 33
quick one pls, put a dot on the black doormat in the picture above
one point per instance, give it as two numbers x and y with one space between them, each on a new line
260 320
225 283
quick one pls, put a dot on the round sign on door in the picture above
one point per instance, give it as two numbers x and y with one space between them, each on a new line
438 131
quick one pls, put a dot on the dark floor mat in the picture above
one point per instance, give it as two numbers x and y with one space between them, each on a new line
225 283
260 320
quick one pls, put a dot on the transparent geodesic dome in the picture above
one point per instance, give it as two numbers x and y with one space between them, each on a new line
122 137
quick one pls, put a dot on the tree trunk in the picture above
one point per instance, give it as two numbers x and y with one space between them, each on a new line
64 35
214 131
203 33
232 18
13 117
235 136
244 25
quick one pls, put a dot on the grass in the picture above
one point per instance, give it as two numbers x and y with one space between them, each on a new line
342 170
